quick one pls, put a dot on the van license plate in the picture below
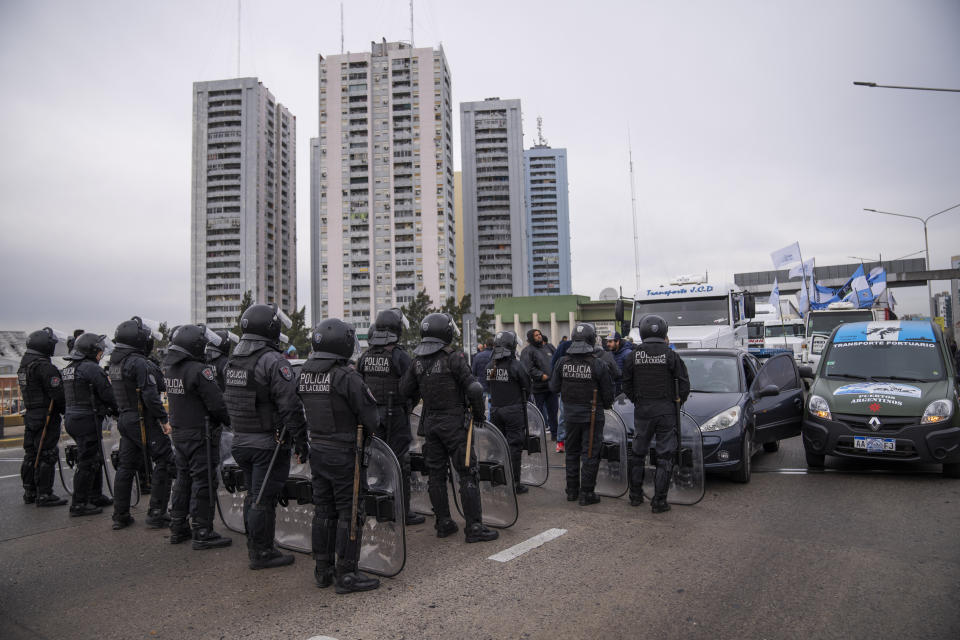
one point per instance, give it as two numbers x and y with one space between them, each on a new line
874 445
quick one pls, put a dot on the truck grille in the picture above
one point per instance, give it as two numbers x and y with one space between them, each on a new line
887 424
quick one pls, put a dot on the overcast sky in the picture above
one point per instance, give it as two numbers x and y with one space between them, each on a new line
747 131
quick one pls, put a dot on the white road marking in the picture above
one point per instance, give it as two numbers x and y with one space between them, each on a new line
518 550
16 475
322 638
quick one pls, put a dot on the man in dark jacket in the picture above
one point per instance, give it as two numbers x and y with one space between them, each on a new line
480 362
509 387
41 387
535 358
620 351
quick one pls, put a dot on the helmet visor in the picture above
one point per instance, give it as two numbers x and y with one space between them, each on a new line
60 347
107 345
154 328
212 338
282 317
456 329
403 318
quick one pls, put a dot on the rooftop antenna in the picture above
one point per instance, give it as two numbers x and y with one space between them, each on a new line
341 28
239 35
633 204
541 142
411 24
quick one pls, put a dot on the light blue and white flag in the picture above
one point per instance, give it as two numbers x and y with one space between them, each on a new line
804 270
775 298
877 280
860 293
786 256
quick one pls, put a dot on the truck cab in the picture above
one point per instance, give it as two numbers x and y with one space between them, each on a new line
700 314
820 324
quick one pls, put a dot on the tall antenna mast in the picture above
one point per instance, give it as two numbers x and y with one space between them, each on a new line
239 36
341 28
633 204
541 142
411 24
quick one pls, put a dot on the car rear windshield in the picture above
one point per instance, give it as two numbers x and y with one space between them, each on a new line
826 321
713 374
885 360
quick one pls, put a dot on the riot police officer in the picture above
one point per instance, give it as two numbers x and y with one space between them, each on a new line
651 376
586 389
218 354
441 376
142 425
196 404
266 416
41 387
382 366
509 387
89 397
336 401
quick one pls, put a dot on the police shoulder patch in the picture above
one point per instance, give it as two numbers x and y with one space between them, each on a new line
208 373
286 372
55 381
151 379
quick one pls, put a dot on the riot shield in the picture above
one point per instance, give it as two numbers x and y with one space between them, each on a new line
231 491
687 483
612 475
534 464
419 490
67 465
384 547
110 445
497 494
295 509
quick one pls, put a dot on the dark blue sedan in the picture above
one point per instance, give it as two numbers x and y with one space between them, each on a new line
740 404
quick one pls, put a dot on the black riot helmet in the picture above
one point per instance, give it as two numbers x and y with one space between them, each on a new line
652 326
388 327
88 345
584 339
191 339
504 345
43 341
333 339
227 340
436 331
264 322
135 333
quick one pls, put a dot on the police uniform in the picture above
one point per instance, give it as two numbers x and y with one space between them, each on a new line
41 387
89 397
336 401
136 386
582 379
196 405
261 397
649 378
509 387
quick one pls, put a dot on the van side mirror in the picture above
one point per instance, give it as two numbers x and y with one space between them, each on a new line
749 305
806 372
618 311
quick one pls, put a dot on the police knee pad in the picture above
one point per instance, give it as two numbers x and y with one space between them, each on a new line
49 456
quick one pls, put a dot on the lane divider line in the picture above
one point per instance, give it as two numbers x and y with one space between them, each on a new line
16 475
518 550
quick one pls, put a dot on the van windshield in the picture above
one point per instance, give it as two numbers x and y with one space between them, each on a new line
826 321
884 360
779 330
685 313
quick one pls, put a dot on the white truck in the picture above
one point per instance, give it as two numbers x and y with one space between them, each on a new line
700 314
821 322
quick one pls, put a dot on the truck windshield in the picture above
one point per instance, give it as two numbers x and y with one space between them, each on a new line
780 330
685 313
713 374
755 330
825 321
883 359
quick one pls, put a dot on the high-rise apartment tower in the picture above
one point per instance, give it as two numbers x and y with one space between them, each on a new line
494 216
243 211
381 207
548 220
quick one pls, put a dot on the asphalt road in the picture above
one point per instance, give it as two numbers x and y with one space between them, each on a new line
842 554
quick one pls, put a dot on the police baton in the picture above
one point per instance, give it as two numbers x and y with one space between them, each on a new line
43 434
273 461
593 421
143 442
676 389
98 422
466 461
356 484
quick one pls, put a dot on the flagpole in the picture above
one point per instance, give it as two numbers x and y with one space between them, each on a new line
803 277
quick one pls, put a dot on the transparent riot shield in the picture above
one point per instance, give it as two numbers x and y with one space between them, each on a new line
419 491
687 483
534 464
67 464
295 509
384 548
497 494
612 476
231 491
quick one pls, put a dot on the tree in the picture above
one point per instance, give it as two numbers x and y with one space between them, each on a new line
164 341
299 332
245 303
485 325
415 312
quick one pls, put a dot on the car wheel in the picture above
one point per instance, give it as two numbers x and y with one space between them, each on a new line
771 447
743 473
814 460
951 470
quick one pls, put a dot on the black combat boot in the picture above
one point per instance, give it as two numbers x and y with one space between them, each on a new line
29 497
636 500
122 521
479 533
209 539
659 504
588 498
84 509
445 527
323 573
157 519
353 581
520 488
50 500
269 559
102 501
415 518
179 530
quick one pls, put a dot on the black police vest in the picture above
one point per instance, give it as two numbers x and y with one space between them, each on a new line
382 377
30 379
322 390
124 386
248 403
439 389
578 379
219 365
505 390
187 410
76 387
652 379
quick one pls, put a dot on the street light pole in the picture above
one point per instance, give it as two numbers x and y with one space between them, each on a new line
926 244
893 86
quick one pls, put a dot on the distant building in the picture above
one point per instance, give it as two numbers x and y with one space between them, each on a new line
458 231
381 206
243 210
548 220
943 307
494 215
